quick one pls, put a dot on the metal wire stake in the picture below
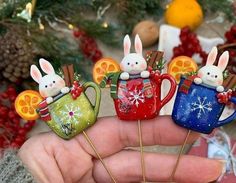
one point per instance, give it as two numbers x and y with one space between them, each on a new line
179 156
100 158
141 151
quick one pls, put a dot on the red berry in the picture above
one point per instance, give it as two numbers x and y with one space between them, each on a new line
232 53
3 111
183 38
22 131
97 55
11 114
185 30
229 37
198 49
12 98
233 29
177 51
77 33
19 140
16 121
2 140
4 95
14 145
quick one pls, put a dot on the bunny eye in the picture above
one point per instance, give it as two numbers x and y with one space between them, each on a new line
128 63
136 63
216 76
54 81
208 73
46 86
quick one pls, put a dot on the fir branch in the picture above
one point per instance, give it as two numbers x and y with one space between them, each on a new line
133 11
224 7
105 34
59 50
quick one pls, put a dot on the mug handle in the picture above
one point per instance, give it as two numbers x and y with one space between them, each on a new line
230 118
171 92
98 95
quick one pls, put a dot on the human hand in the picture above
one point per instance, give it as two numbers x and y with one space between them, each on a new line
52 159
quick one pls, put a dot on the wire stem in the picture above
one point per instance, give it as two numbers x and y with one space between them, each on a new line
100 158
179 156
141 151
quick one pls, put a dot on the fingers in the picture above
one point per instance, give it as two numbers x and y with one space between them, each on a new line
126 167
110 135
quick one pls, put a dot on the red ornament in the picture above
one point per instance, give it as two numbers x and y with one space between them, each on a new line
224 97
76 90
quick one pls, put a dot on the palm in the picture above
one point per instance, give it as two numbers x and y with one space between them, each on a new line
52 159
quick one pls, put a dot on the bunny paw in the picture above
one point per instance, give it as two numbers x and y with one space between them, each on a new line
124 76
49 100
65 90
197 81
145 74
220 88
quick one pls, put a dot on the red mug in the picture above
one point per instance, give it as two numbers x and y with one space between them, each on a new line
140 98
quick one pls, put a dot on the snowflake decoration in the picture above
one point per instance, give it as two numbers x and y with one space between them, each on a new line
71 113
136 97
202 106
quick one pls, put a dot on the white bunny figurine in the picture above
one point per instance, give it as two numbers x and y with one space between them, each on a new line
133 63
213 75
51 84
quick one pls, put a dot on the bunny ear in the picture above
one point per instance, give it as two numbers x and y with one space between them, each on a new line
127 45
138 44
35 73
223 60
212 56
46 66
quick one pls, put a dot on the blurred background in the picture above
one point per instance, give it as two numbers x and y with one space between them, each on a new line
82 32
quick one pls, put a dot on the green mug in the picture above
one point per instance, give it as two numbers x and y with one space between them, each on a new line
69 116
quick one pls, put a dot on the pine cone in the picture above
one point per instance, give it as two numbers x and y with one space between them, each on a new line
16 56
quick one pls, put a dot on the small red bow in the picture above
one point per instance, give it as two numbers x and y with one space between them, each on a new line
224 97
76 90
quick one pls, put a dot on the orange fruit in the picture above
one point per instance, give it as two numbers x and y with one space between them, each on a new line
181 65
104 66
26 104
182 13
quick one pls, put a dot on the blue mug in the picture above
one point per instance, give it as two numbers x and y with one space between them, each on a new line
199 109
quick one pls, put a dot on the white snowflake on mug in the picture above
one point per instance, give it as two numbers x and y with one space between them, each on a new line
201 106
71 113
136 96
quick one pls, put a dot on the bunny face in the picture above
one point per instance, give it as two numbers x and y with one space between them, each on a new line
213 75
133 63
49 85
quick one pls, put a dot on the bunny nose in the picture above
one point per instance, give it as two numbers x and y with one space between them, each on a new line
50 85
132 65
212 76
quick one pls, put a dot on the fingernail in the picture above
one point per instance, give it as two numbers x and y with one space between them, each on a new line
223 171
224 165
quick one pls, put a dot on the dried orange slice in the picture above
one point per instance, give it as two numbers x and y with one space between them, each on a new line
26 104
104 66
181 65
